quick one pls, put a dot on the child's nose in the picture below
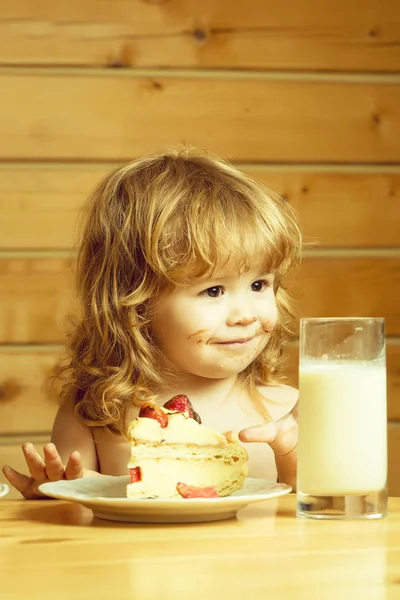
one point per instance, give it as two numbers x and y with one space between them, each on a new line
241 314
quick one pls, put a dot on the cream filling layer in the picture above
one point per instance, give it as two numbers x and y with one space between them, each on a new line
180 430
160 476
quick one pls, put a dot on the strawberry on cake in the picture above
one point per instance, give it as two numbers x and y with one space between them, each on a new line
174 454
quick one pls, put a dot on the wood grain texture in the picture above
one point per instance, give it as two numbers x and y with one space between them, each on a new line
394 459
339 208
36 296
362 35
34 299
265 551
116 117
28 396
339 287
39 204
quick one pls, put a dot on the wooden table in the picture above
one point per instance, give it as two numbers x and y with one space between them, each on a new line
57 550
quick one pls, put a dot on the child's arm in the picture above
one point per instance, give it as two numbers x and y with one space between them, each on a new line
70 455
282 436
69 434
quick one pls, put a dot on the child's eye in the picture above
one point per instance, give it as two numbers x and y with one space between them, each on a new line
260 285
213 292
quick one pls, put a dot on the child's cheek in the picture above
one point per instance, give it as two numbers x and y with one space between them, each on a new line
268 326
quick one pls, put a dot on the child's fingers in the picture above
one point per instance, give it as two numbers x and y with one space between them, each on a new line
9 473
266 432
280 435
21 482
34 461
74 469
54 466
285 442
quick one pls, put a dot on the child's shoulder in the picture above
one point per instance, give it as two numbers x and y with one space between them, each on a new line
279 399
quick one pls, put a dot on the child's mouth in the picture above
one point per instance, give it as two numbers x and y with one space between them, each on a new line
237 342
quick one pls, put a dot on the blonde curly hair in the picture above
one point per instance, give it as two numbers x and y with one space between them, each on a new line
158 222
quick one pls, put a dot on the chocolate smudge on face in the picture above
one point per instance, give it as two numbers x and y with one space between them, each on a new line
201 340
268 327
199 332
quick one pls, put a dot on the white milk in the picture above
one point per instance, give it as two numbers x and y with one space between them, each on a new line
342 428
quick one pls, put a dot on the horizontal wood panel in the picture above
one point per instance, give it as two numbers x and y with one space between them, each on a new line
361 35
394 459
28 399
35 293
351 209
11 454
116 117
341 287
39 204
34 299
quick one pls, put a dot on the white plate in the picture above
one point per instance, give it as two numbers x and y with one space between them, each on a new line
4 489
105 496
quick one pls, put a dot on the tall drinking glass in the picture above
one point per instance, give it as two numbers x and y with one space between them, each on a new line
342 447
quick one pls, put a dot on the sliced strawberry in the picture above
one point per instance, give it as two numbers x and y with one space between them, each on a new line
191 491
181 403
136 474
152 411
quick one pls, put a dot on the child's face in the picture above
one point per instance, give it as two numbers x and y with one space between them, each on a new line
216 327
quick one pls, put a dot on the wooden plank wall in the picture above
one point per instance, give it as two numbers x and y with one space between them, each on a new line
304 95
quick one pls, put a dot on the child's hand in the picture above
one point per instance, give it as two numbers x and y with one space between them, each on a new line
282 436
42 471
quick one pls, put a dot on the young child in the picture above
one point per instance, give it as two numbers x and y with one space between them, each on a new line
179 277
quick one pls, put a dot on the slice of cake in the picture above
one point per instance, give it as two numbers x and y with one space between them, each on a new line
174 454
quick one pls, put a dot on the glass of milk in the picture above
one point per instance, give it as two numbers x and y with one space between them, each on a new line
342 447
